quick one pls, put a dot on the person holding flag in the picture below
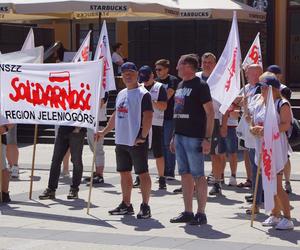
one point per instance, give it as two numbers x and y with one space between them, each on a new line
274 113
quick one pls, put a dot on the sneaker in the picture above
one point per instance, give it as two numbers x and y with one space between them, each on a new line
14 171
183 217
285 224
5 197
216 189
177 190
122 209
249 198
47 194
137 182
170 177
271 221
199 219
232 181
98 179
73 194
288 187
145 212
162 183
88 179
210 179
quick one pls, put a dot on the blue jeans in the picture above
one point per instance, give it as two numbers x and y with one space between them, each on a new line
168 129
189 155
254 172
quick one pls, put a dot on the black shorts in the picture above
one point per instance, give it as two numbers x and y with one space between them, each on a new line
157 147
215 138
126 156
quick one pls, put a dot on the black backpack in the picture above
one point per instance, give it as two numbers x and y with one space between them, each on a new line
294 136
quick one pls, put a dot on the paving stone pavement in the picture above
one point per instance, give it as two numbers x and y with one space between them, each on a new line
64 224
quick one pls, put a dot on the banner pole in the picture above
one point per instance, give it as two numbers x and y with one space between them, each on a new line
33 160
255 190
92 175
2 168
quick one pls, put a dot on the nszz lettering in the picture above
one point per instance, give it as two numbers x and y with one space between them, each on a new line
10 68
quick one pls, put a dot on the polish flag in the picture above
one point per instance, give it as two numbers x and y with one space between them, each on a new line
224 81
29 42
272 160
82 54
254 54
103 51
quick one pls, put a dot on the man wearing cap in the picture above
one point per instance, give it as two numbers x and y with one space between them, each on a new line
159 103
132 121
286 93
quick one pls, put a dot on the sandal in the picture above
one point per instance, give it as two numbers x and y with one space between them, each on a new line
247 183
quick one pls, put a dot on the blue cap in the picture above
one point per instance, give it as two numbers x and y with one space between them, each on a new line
270 81
144 73
128 66
275 69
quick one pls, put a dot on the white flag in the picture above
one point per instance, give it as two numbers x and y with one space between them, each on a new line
29 42
82 54
254 54
272 155
103 51
224 81
34 55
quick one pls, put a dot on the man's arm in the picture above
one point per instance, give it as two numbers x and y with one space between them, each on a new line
146 123
109 127
170 93
210 114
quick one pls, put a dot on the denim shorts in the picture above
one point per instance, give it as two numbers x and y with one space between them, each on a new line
229 144
189 155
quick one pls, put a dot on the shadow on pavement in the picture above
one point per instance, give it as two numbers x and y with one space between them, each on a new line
223 200
35 178
112 192
205 232
258 218
77 204
141 224
160 193
56 217
294 197
291 236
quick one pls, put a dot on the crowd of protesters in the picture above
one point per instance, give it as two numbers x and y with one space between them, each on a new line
180 122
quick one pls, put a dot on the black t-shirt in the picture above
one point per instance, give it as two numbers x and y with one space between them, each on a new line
171 82
189 114
146 103
286 92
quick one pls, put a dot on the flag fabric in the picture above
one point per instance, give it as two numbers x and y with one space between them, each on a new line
254 54
82 54
53 93
29 41
224 81
272 161
103 51
34 55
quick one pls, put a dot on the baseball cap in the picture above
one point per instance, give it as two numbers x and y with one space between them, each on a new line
144 73
128 66
274 69
270 81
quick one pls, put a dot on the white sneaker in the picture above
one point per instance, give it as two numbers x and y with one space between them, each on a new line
15 171
232 181
285 224
271 221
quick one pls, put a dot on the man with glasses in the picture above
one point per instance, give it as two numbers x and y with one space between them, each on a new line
194 121
170 83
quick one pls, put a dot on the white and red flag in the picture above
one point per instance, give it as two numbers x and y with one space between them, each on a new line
82 54
224 81
271 155
103 51
29 41
254 54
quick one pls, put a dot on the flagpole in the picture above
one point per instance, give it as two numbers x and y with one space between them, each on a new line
92 175
255 189
33 160
2 168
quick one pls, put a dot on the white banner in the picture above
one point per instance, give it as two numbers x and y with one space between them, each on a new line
224 81
272 155
35 55
58 94
83 53
29 41
103 51
254 54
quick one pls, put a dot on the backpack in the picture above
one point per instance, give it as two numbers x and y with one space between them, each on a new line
294 135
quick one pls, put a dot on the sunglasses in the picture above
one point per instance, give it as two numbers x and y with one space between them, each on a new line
158 69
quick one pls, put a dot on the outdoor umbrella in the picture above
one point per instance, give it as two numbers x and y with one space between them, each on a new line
218 9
